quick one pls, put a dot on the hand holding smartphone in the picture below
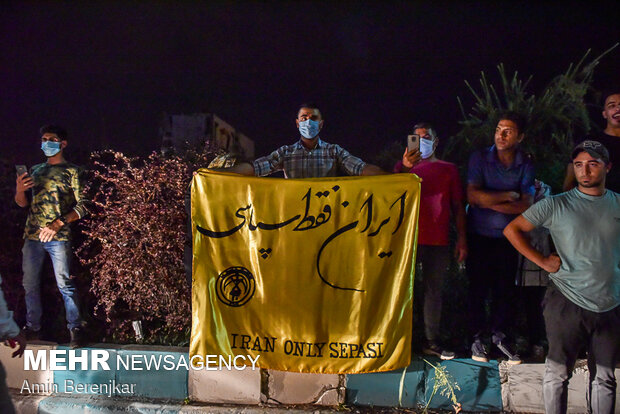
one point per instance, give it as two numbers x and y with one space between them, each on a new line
412 155
413 142
24 181
21 169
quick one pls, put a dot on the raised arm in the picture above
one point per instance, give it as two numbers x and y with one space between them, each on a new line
23 183
370 169
243 168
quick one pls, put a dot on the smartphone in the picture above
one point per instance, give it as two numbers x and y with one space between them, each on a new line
21 169
413 142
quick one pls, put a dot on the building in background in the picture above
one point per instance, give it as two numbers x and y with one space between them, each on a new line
181 131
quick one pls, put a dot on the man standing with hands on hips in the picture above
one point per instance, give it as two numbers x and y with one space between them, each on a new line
54 192
581 305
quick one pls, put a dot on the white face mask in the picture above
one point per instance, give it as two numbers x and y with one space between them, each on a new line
50 148
309 128
427 147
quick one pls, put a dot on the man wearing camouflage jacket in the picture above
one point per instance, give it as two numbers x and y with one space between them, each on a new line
54 192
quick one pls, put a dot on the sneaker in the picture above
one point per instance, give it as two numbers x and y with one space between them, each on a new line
30 334
432 348
77 338
513 359
479 351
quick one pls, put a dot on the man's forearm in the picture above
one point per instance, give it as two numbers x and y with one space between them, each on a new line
370 169
21 199
514 207
487 198
516 235
243 168
71 216
460 220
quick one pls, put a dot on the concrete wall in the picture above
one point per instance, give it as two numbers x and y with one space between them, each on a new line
481 386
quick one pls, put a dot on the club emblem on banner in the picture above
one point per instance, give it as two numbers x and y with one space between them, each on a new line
235 286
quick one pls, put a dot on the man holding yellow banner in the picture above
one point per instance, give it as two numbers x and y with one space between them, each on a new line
310 157
311 275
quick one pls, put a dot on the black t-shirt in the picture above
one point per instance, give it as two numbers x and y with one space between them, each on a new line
612 143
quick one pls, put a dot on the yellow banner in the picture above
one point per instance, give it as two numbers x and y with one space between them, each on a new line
312 275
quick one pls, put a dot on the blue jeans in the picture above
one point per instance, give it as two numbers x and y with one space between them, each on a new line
33 256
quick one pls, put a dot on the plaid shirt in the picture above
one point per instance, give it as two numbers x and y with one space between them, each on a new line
324 160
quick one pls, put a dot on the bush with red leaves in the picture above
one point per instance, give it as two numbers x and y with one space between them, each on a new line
134 245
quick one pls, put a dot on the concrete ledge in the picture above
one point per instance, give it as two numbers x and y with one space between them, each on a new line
382 388
66 381
479 383
94 404
25 403
15 368
150 381
523 388
483 386
135 371
480 388
101 405
227 387
300 388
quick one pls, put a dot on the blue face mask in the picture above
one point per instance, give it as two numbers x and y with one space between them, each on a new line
50 148
309 128
426 147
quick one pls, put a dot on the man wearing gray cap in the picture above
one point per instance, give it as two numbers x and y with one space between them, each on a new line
581 305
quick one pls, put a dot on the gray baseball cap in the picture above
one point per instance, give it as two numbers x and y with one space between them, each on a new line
594 148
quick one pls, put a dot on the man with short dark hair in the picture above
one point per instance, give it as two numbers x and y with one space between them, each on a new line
581 305
54 191
441 198
610 138
309 157
500 186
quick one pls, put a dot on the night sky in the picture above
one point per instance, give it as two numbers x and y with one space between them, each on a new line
107 70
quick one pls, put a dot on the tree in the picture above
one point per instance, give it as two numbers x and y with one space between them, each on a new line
555 118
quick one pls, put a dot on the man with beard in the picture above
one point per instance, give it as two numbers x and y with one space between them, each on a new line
581 305
610 138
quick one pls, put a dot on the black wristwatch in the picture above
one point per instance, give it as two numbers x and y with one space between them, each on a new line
62 220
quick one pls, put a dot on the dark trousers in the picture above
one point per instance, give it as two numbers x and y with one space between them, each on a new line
571 328
434 261
6 405
491 267
531 298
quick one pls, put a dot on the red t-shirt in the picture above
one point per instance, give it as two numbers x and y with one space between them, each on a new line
440 187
